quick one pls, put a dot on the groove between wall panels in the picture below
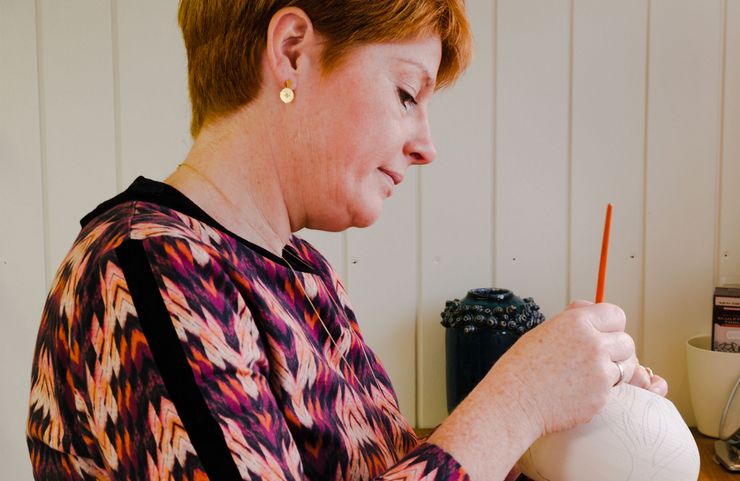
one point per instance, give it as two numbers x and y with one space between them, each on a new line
569 200
721 149
42 142
116 94
418 384
494 139
645 140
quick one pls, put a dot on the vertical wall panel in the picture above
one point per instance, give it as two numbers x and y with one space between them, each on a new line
729 258
609 56
682 162
22 279
456 213
79 117
532 109
381 281
154 110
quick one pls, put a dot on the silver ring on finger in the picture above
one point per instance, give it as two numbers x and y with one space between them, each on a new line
621 373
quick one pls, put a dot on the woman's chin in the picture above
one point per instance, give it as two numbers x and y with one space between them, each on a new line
367 216
338 223
364 223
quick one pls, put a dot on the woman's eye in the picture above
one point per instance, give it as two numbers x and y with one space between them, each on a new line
407 100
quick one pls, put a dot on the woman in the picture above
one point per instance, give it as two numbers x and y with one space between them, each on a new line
189 335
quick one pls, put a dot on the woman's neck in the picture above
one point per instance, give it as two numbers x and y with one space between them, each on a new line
237 184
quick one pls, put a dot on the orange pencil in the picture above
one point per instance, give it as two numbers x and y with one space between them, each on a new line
604 255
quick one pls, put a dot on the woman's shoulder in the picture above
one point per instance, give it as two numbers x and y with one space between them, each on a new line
142 220
149 209
92 265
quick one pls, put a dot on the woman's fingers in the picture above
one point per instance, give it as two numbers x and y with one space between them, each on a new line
623 371
619 353
620 347
659 386
610 320
607 317
644 378
578 303
641 377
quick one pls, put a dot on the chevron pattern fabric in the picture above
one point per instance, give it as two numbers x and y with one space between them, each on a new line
171 349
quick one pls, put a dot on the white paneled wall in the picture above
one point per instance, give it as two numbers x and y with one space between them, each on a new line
531 156
152 107
387 309
77 115
568 105
681 201
608 138
22 274
729 226
455 210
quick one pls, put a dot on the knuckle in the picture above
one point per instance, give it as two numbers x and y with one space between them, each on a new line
581 320
629 343
579 303
625 345
618 313
565 321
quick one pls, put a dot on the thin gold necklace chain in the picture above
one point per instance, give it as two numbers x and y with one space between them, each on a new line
388 441
233 205
328 333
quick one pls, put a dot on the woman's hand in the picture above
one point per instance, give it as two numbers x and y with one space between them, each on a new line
565 368
556 376
644 378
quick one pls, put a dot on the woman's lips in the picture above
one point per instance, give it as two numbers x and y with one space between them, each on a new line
395 176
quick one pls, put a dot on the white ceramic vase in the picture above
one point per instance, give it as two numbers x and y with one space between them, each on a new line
638 436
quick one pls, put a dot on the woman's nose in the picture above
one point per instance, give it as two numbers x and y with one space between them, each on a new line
421 148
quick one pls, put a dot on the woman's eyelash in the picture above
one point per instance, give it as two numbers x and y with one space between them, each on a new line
406 98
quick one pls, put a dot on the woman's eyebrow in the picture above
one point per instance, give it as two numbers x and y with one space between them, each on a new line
428 78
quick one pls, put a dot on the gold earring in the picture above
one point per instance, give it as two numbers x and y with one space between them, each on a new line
287 94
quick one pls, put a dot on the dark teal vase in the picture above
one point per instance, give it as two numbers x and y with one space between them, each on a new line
480 329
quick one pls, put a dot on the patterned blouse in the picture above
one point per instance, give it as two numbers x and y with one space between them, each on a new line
172 349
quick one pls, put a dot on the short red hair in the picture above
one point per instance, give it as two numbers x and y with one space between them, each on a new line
225 41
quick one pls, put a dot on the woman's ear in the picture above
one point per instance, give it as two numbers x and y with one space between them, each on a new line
290 41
